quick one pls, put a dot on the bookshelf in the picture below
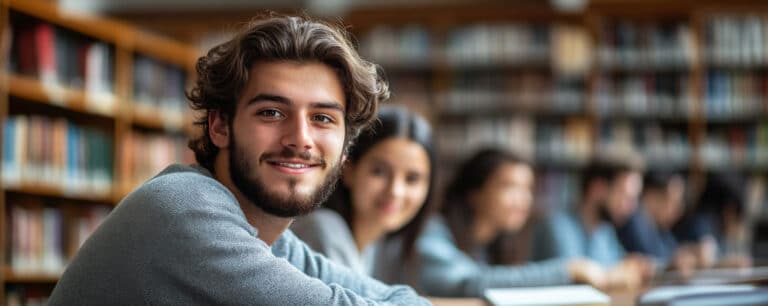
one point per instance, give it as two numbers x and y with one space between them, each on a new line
514 77
90 108
683 83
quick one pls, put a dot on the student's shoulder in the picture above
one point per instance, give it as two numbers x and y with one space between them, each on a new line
182 186
321 222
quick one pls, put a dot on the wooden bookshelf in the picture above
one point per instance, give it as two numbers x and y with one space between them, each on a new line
17 278
31 89
54 192
96 27
102 128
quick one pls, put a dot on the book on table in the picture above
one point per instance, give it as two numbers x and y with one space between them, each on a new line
573 295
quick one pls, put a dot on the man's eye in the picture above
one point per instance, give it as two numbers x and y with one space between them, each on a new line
271 113
323 118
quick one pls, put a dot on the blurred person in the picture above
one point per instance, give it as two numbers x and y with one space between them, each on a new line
648 230
374 216
280 103
715 226
610 188
471 244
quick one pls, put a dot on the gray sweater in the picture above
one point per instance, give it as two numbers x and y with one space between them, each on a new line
182 239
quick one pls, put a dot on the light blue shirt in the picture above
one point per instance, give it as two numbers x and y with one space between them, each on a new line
446 270
563 235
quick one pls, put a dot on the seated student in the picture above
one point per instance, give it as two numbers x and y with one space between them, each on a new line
716 224
280 103
468 247
610 188
649 229
374 216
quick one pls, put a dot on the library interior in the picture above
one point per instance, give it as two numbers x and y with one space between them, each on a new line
635 133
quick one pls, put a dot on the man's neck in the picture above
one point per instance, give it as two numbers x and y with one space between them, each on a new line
269 226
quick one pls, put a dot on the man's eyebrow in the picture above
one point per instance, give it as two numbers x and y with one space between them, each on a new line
284 100
269 98
329 105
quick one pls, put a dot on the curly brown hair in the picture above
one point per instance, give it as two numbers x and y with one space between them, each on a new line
224 71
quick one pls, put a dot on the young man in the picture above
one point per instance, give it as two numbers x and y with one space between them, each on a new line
282 102
610 188
648 229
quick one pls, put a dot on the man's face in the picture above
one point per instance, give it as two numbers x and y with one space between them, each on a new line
287 136
622 195
666 204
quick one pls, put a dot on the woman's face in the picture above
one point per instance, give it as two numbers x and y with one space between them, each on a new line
505 198
389 184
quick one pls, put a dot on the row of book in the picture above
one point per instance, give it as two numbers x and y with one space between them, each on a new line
43 238
733 40
61 59
660 146
56 153
740 146
146 154
570 142
563 48
408 46
641 46
737 40
522 91
564 142
493 44
735 94
653 95
159 90
561 143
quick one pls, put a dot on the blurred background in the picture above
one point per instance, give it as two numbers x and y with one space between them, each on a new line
93 96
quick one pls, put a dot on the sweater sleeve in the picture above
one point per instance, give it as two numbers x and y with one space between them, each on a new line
448 271
317 266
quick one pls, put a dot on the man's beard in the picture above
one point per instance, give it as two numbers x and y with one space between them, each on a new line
259 194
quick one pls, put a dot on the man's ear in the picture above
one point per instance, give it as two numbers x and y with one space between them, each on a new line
218 129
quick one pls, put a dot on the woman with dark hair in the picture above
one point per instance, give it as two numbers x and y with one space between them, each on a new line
371 221
466 248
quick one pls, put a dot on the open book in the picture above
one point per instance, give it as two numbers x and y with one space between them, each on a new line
581 295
